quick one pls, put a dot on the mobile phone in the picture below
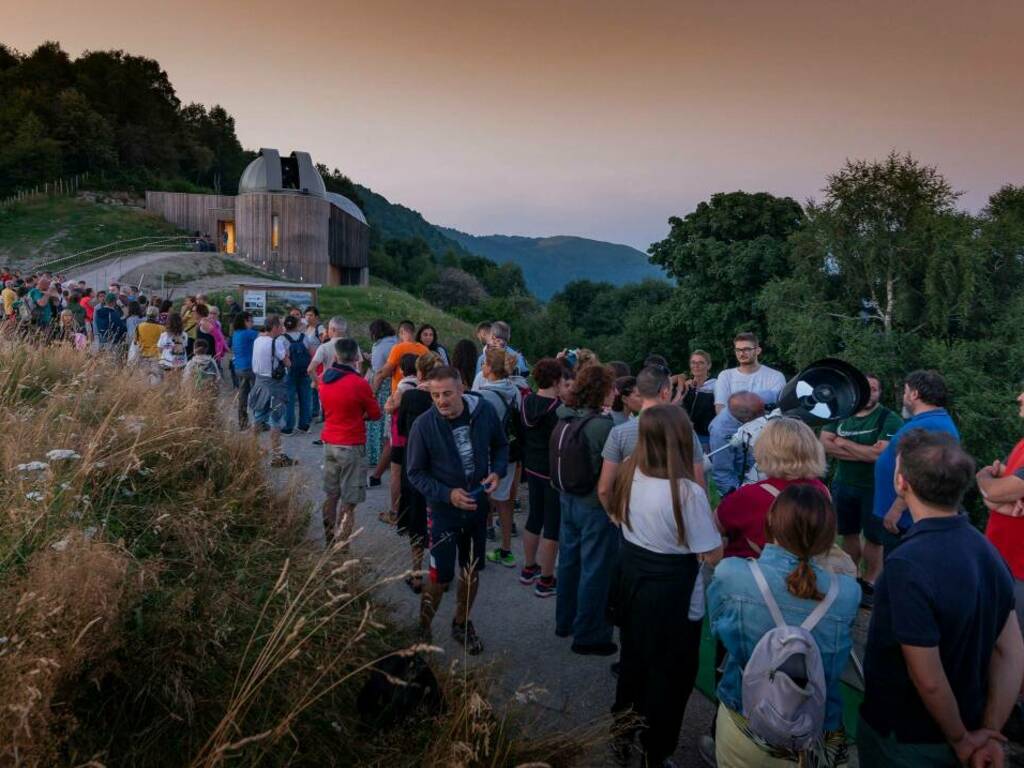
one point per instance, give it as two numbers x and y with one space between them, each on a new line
477 493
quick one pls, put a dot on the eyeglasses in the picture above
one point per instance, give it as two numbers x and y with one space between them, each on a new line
742 350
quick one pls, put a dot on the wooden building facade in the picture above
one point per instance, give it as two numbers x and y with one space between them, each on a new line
283 221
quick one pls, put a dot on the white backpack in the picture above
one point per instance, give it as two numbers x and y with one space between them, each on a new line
784 681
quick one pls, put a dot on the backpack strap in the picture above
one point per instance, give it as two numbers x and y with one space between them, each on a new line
773 608
822 608
766 593
771 489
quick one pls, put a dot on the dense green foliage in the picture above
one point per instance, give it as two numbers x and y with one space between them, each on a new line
113 115
550 263
883 271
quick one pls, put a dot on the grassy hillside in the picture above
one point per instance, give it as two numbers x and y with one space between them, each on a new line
361 306
549 263
49 228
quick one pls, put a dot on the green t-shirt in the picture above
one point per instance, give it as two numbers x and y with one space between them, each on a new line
880 424
45 314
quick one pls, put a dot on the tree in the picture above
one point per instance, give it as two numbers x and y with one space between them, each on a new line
890 231
722 255
455 288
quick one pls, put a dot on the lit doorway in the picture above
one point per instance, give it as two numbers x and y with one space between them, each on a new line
226 236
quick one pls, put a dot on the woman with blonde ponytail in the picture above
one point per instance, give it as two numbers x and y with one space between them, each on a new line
800 527
657 600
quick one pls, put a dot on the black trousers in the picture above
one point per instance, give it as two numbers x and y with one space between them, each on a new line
660 652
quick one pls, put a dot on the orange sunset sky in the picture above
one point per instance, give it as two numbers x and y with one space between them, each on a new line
590 118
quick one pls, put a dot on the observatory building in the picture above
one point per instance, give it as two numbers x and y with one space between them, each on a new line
283 220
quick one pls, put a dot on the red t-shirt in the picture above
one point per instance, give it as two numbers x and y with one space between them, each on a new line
347 403
742 514
89 309
1007 533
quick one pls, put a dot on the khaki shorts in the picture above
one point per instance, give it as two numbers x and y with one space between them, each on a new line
344 474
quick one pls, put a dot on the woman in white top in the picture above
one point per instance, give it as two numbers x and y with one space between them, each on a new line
173 344
657 600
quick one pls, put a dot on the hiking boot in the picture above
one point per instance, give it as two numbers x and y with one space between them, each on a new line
595 649
465 635
283 460
529 574
503 557
546 587
706 749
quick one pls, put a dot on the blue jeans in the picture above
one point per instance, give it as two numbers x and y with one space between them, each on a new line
300 392
588 544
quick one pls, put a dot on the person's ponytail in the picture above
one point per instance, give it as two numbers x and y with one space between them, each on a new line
802 522
802 582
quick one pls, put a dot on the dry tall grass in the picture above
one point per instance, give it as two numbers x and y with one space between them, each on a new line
159 603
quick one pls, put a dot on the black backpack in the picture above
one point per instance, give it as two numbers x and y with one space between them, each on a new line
571 468
298 353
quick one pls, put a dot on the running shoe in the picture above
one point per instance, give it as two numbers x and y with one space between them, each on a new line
502 556
529 574
546 587
465 635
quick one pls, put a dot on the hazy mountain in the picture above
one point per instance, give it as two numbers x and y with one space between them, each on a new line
549 263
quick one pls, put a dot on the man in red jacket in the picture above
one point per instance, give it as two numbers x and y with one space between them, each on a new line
348 402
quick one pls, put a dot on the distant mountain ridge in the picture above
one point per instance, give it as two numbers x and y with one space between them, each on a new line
549 263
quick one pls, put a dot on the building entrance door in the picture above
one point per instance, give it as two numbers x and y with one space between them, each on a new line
226 236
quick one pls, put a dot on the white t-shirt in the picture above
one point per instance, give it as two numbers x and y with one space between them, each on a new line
654 526
262 364
732 380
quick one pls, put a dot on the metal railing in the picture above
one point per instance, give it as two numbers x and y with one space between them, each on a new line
112 250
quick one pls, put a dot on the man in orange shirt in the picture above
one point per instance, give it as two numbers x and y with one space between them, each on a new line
407 345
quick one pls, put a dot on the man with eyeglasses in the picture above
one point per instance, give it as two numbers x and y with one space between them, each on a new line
749 375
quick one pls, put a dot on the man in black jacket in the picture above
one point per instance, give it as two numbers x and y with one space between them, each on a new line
456 455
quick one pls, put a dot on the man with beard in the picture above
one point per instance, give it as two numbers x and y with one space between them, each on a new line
924 407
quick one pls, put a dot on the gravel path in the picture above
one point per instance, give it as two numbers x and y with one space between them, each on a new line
516 627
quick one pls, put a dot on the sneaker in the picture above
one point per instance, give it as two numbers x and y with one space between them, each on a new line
529 574
503 557
545 588
595 649
318 441
706 749
492 534
465 635
374 481
303 430
287 432
282 460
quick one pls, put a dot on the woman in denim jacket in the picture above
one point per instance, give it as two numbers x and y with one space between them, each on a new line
800 525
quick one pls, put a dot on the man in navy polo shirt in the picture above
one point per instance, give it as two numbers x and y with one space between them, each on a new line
944 658
924 407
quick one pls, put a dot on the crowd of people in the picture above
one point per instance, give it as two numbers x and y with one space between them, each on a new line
646 517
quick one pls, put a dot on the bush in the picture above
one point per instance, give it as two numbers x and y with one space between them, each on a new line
161 605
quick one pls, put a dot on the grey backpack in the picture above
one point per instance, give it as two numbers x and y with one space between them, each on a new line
784 680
